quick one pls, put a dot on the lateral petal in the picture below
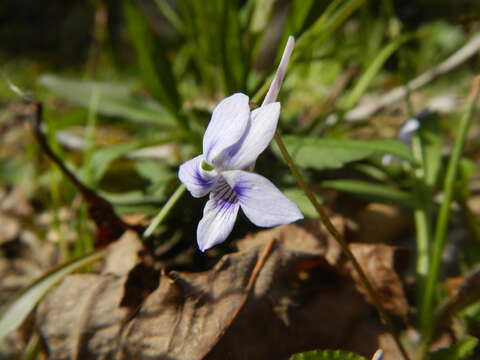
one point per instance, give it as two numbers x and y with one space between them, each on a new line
227 126
219 216
199 182
260 200
262 126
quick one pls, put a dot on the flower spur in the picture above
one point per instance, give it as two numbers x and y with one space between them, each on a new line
234 139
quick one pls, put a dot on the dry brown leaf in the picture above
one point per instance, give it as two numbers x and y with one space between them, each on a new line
13 201
307 236
83 317
463 291
10 228
381 264
301 300
393 222
23 258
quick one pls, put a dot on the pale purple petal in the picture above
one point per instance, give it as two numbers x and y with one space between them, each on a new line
260 200
197 180
263 123
219 216
280 74
227 126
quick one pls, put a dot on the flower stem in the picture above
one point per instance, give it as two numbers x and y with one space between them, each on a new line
341 241
164 211
427 323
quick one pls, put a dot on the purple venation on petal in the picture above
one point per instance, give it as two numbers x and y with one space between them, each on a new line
219 216
224 194
260 200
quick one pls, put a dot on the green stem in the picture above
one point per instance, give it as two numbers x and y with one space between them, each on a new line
341 241
421 217
165 210
426 311
32 349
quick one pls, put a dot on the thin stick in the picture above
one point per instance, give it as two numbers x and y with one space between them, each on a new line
364 111
259 265
109 226
341 241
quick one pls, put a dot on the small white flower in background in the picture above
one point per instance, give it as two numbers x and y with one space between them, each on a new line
378 355
234 138
406 132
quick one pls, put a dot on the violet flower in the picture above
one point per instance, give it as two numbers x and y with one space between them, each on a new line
234 138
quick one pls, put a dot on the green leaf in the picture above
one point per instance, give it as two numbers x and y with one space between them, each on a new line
102 158
298 197
327 355
321 154
21 307
153 171
371 191
154 66
114 99
159 175
463 350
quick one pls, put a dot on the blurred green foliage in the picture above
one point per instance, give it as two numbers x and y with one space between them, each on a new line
133 102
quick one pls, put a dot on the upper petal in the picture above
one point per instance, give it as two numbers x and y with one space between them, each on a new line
198 181
262 126
227 126
280 74
219 217
260 200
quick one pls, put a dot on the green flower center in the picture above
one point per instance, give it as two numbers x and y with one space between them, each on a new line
207 167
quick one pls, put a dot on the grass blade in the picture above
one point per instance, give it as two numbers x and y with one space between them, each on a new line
21 307
171 15
233 54
372 70
334 16
154 65
427 305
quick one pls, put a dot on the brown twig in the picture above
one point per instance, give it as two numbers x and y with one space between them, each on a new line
364 111
109 226
342 242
